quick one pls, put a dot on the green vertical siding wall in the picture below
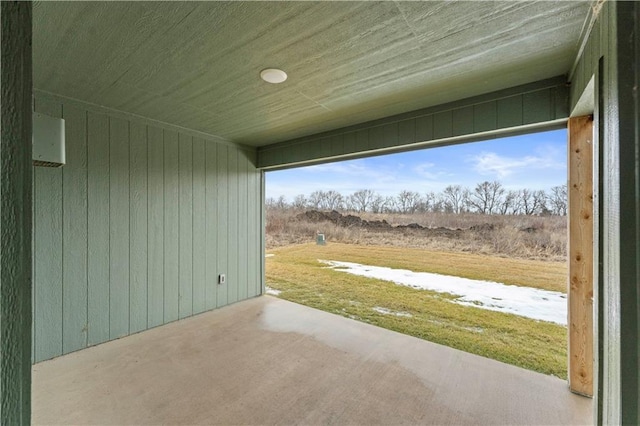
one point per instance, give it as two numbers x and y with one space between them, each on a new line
611 55
133 231
531 107
15 214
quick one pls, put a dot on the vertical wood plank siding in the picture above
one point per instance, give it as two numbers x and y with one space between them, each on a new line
118 228
222 218
155 237
211 217
580 253
97 229
47 253
232 240
199 220
138 202
74 232
171 205
133 231
521 109
185 296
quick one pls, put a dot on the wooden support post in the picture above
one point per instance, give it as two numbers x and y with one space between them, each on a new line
580 250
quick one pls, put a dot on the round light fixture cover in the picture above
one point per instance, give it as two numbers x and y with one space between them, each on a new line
273 75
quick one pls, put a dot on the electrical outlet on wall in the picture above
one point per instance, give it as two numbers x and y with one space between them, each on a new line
222 279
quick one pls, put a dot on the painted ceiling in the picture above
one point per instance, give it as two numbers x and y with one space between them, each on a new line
197 64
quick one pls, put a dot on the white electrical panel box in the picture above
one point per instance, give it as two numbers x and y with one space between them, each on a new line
48 141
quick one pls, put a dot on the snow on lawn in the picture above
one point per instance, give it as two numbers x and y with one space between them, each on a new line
386 311
528 302
272 291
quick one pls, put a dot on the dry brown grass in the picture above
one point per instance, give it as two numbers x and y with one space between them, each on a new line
523 237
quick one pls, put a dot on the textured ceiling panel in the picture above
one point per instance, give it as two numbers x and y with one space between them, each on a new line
197 64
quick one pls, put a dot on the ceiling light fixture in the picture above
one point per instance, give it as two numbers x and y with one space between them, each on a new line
273 75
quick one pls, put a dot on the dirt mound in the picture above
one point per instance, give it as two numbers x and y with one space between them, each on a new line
411 226
313 216
483 227
378 224
351 221
335 217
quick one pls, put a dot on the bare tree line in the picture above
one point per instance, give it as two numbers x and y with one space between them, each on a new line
486 198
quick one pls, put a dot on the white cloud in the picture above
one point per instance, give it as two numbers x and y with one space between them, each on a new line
351 168
429 171
492 164
348 168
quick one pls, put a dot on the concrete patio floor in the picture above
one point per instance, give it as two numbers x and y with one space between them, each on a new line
269 361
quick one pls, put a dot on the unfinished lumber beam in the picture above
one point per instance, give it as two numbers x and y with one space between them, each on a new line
580 292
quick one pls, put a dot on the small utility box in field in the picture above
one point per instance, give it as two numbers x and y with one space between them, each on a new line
320 239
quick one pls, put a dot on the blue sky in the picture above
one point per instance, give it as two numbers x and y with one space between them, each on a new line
535 161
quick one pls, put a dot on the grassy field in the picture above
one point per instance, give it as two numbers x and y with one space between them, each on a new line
539 346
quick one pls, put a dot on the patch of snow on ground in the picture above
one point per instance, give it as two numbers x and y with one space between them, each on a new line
386 311
272 291
269 255
528 302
